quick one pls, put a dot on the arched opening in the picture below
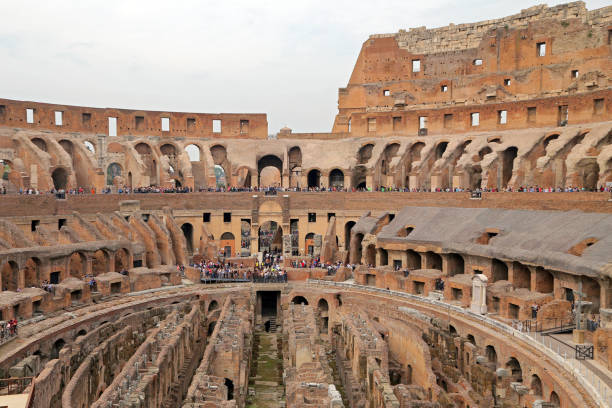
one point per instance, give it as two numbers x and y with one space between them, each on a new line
57 346
434 261
229 384
323 309
592 292
90 146
336 179
508 157
299 300
365 153
187 229
413 260
10 276
220 179
81 332
122 260
295 166
359 177
475 177
549 139
456 264
60 178
214 305
388 154
483 152
347 234
67 146
440 149
515 370
32 272
168 150
589 174
146 155
383 255
309 243
545 282
314 178
554 399
452 330
536 385
270 238
227 244
491 354
113 170
99 262
356 251
370 255
271 175
499 270
471 339
521 275
77 265
211 328
40 143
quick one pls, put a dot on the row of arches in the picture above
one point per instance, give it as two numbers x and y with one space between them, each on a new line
34 270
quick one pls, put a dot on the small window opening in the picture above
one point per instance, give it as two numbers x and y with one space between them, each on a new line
112 126
139 121
206 217
531 114
416 65
386 92
165 124
244 127
444 88
423 122
371 124
575 73
312 217
58 118
60 223
330 215
541 49
30 115
507 82
502 117
475 118
216 125
86 119
191 123
477 62
598 106
227 217
34 224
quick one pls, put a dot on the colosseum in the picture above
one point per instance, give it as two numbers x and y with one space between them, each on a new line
447 244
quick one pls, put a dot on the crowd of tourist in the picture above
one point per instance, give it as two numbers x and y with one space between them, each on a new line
268 270
274 190
8 329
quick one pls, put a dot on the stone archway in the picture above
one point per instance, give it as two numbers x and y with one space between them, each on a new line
270 175
270 237
77 265
10 276
60 178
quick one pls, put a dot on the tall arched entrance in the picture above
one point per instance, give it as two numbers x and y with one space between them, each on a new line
270 175
271 238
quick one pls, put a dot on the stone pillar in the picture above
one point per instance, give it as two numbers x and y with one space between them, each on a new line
34 176
369 182
324 179
347 181
435 182
457 182
479 294
414 183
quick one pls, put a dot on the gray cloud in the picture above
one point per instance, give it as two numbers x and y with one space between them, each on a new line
284 58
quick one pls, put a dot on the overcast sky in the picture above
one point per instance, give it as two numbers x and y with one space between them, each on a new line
285 58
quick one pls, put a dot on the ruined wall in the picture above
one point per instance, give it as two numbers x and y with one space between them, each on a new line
446 74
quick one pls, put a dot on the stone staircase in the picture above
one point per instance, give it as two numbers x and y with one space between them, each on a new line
273 324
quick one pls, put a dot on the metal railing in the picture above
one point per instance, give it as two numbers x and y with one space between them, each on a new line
582 378
12 386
